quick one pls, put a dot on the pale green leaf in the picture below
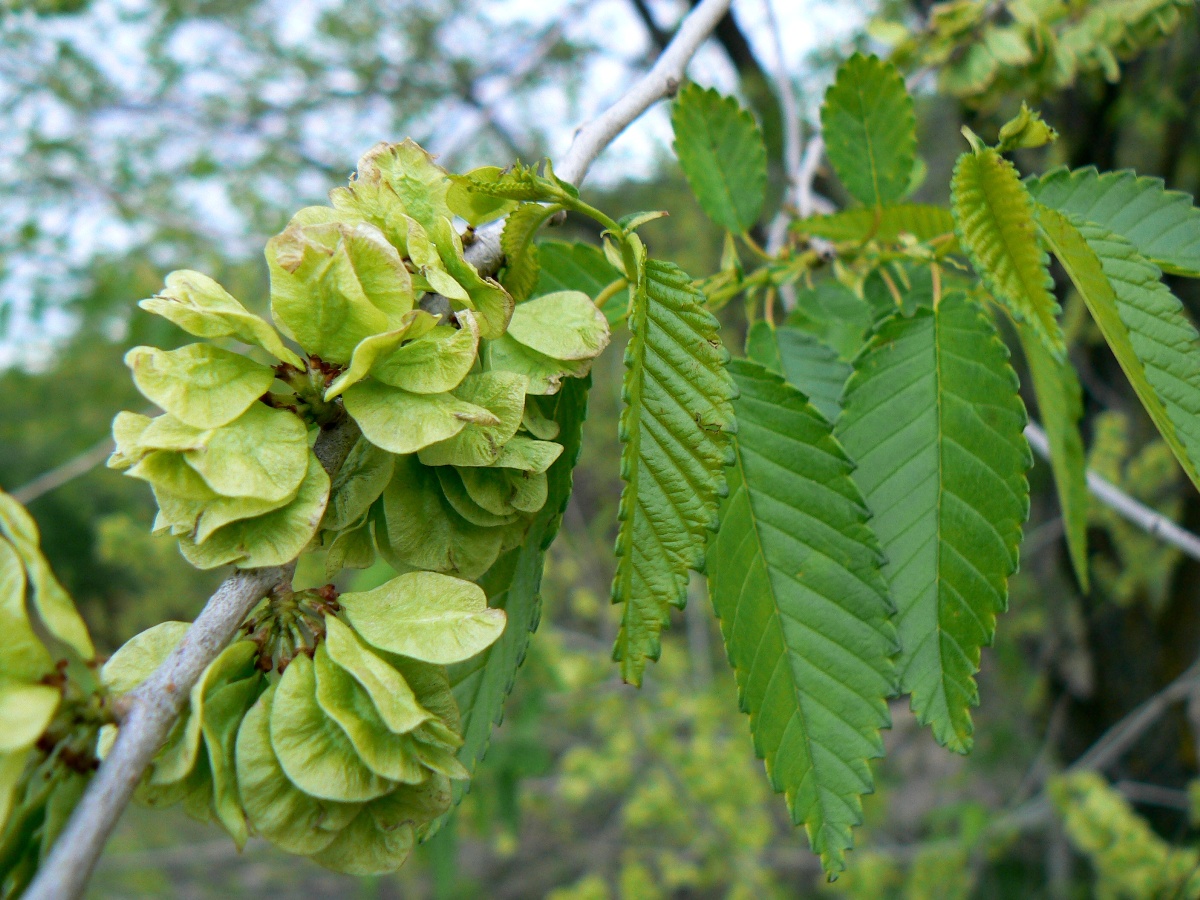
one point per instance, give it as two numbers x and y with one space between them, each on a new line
272 539
475 206
675 428
201 385
491 301
1143 323
521 255
543 374
564 325
334 285
995 224
141 655
1025 130
223 714
394 700
417 181
262 453
528 455
312 749
1060 405
50 600
353 548
25 711
461 501
426 616
1162 225
721 151
344 701
22 654
127 430
381 346
934 422
200 306
870 130
502 394
402 422
435 362
275 808
794 575
362 848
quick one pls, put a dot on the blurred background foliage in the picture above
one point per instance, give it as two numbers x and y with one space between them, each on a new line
143 135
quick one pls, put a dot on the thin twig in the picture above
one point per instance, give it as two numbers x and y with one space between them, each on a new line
60 475
661 81
1110 495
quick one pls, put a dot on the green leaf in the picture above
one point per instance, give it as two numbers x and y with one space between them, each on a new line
543 374
1143 323
870 130
357 484
491 301
25 711
520 253
201 385
314 751
576 267
563 325
933 419
426 616
402 422
332 285
722 154
50 600
794 576
200 306
835 314
502 394
343 699
381 346
1060 404
22 654
1025 130
362 848
275 808
923 221
271 539
1162 225
141 655
995 225
528 455
513 584
391 695
806 363
473 205
675 428
223 714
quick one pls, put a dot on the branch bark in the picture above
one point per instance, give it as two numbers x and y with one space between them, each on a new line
154 707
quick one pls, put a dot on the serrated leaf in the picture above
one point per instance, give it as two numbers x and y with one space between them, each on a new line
1162 225
995 224
520 253
806 363
934 421
200 306
1060 405
1142 321
923 221
473 205
675 428
426 616
835 314
722 154
870 130
201 385
513 584
794 575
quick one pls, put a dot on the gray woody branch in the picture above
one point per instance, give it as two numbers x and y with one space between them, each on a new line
153 708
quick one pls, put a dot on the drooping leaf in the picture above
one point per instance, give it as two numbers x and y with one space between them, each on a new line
721 151
564 325
1060 404
870 130
923 221
1163 226
675 428
426 616
402 422
520 252
933 419
1143 323
200 306
813 367
22 654
492 303
201 385
794 575
995 224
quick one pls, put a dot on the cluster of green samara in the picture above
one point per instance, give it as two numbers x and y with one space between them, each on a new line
347 757
330 728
